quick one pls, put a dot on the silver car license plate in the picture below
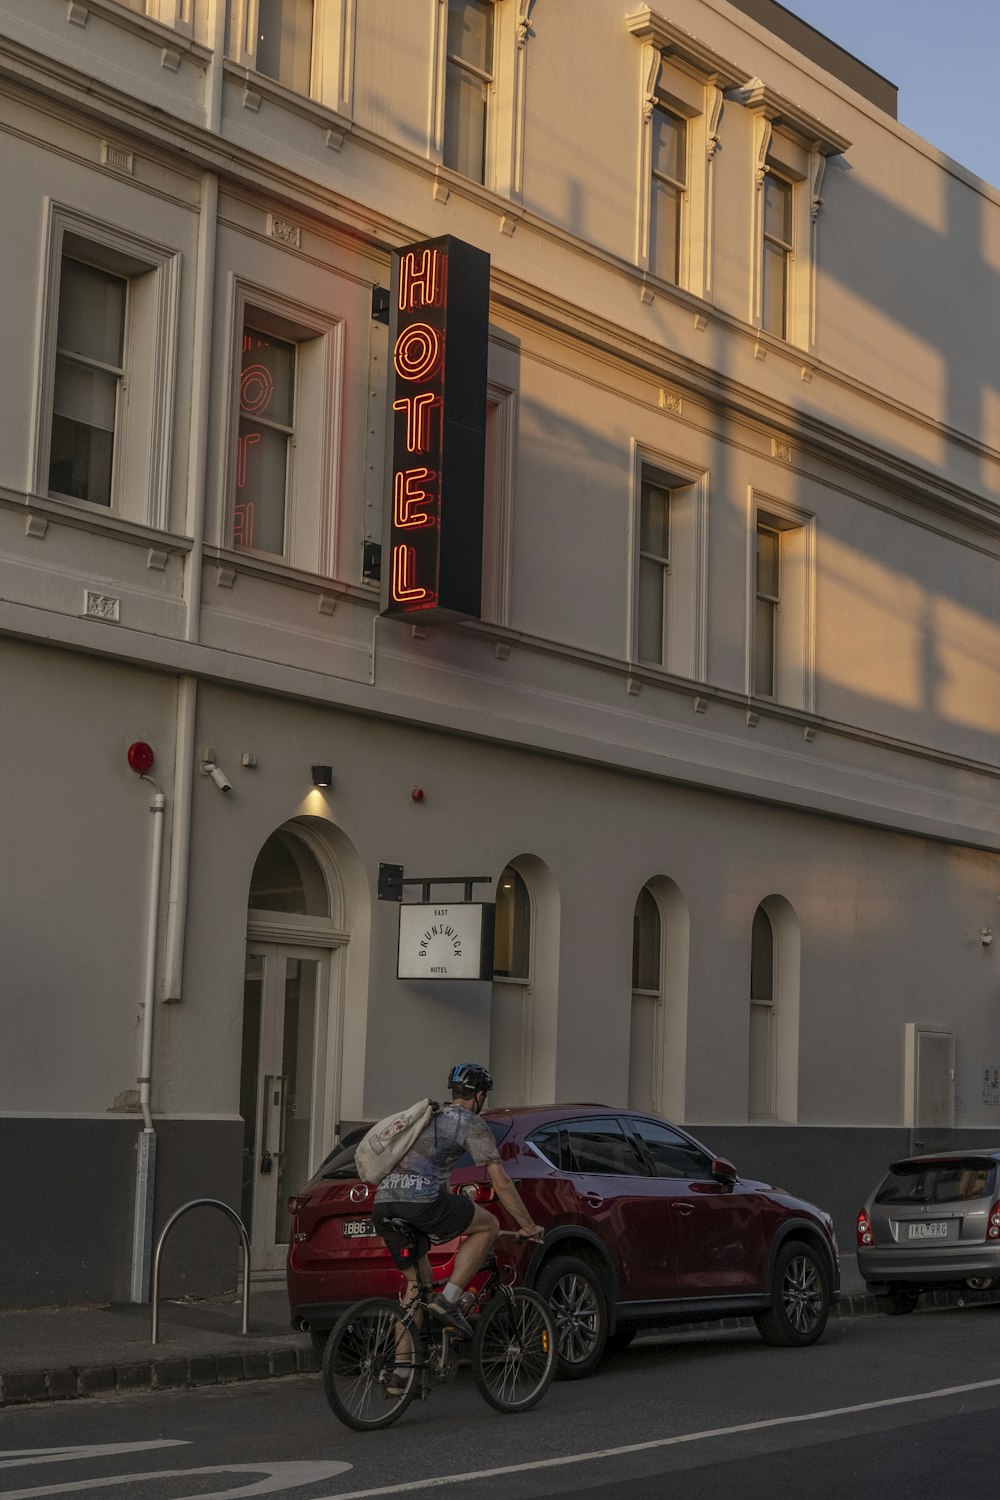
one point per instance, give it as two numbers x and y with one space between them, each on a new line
358 1229
932 1229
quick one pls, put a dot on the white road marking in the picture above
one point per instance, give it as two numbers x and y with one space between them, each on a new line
14 1458
686 1437
278 1476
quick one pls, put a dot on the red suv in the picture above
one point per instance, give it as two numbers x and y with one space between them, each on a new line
644 1228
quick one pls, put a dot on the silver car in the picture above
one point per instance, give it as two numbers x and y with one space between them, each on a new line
933 1222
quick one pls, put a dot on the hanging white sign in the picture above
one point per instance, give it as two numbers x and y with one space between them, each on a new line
442 940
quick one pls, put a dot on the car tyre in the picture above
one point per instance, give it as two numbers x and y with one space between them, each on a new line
579 1308
897 1300
800 1298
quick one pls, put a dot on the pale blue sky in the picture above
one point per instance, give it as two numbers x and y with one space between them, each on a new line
944 58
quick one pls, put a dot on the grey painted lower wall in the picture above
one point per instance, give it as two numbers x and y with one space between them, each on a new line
833 1166
66 1204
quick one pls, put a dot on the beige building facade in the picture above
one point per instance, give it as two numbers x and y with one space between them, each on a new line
725 737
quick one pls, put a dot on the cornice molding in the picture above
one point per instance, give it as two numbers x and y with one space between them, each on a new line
762 100
647 25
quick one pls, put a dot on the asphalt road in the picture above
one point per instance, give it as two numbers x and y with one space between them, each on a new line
907 1405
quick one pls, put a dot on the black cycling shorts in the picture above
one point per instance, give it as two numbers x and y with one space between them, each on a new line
433 1221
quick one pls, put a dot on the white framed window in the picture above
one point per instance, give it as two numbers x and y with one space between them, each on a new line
791 150
681 98
478 92
469 86
282 464
107 369
668 566
305 46
781 646
668 192
776 253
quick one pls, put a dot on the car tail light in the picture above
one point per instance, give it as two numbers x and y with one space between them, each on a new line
865 1235
993 1223
479 1192
296 1202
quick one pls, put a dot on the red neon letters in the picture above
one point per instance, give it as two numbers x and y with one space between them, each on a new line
439 330
418 359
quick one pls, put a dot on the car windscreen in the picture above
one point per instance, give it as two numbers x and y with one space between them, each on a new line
956 1180
340 1163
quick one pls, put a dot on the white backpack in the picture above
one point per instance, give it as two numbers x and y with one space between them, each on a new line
388 1142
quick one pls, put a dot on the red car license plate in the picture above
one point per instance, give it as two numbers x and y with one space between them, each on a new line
358 1229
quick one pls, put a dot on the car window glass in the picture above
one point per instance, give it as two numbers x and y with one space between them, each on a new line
954 1181
599 1147
670 1153
547 1142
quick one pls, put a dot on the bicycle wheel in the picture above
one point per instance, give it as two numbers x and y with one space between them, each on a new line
360 1365
514 1350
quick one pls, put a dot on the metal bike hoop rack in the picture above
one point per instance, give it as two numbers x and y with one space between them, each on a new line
244 1240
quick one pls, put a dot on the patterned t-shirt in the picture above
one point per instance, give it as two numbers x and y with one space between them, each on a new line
423 1171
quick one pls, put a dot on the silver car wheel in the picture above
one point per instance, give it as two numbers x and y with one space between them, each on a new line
802 1294
577 1315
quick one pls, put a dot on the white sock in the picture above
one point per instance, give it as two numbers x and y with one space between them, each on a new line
452 1291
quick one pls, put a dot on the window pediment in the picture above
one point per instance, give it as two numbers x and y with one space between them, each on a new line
647 25
761 99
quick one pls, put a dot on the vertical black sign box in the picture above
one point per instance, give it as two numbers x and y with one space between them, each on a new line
439 450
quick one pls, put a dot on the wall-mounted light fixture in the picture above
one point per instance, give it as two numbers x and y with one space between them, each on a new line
322 775
986 936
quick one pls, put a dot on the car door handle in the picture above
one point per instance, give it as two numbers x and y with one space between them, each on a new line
595 1200
684 1208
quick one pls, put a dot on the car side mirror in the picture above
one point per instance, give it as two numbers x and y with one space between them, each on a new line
723 1171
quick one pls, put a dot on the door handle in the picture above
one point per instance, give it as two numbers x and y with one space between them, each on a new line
275 1085
684 1208
594 1199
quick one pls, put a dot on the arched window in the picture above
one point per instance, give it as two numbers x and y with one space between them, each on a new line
512 943
763 1017
510 1008
644 1038
287 878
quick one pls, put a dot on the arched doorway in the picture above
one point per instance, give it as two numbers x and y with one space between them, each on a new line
510 1009
658 1016
773 1072
291 1030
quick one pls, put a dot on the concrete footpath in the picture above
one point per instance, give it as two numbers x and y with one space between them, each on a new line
56 1353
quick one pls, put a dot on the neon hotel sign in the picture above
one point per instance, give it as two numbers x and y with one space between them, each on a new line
439 332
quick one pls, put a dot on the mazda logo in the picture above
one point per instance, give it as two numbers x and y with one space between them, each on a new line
359 1193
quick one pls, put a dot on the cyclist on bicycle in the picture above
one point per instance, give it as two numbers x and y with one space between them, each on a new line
416 1190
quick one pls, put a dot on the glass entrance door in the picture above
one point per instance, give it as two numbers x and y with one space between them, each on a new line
282 1022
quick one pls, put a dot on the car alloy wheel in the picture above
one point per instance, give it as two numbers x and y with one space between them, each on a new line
800 1299
574 1295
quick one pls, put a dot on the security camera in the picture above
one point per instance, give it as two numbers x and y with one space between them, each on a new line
218 775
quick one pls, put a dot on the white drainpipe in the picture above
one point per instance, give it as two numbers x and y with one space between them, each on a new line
142 1232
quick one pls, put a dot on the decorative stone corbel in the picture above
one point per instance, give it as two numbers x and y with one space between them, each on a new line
713 116
762 130
654 60
817 167
524 22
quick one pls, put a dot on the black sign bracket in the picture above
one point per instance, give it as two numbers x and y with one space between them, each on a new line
391 881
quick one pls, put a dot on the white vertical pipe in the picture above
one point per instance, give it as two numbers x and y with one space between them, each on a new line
142 1230
201 397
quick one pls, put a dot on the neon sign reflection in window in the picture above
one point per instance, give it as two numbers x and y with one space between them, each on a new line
267 388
